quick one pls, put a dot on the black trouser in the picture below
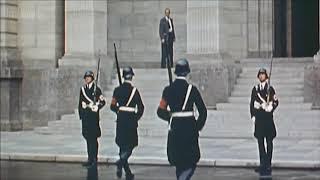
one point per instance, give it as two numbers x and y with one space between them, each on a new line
92 148
185 173
167 51
265 154
124 155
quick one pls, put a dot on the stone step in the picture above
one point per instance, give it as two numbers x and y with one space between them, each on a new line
236 107
275 75
284 69
274 82
246 100
247 93
280 88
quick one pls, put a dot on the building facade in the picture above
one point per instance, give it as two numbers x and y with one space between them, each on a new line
46 46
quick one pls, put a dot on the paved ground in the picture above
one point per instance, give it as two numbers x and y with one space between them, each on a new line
14 170
299 151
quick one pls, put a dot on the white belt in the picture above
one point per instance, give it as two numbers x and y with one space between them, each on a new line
183 114
127 109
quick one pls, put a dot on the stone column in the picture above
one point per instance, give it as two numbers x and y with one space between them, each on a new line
203 27
11 68
85 32
85 36
217 28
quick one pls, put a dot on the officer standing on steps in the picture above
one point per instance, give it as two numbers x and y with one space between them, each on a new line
262 105
180 97
90 103
128 105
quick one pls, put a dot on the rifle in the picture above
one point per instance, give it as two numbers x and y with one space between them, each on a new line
117 63
271 55
168 59
96 80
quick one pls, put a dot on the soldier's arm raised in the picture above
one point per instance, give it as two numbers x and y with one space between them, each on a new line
201 109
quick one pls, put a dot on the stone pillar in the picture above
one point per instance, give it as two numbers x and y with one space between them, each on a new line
259 28
203 27
11 68
85 32
85 36
217 27
41 33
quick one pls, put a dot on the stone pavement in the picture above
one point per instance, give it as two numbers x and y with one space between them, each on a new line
29 145
14 170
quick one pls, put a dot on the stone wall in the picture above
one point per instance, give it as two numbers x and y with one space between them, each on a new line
312 85
41 32
134 27
215 80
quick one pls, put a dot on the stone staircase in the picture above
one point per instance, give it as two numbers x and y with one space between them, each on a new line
294 118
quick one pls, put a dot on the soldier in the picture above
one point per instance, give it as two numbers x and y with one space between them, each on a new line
180 97
128 105
90 103
262 105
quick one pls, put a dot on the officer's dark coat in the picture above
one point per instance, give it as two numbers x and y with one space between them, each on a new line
264 123
90 119
182 145
127 122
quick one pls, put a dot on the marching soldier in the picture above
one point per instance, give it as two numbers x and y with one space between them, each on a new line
180 97
90 103
128 105
262 105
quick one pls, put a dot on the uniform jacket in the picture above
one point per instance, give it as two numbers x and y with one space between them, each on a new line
90 120
264 123
164 29
127 122
182 145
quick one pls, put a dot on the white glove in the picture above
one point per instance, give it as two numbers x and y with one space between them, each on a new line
101 98
256 105
84 105
95 108
162 40
90 105
269 108
253 119
254 123
264 106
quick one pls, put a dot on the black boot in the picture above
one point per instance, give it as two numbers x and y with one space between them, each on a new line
86 164
119 168
93 164
130 176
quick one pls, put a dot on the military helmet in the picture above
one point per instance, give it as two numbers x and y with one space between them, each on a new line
88 74
127 72
262 71
182 67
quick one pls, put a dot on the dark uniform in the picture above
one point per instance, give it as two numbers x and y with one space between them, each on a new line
90 118
168 37
128 105
262 114
182 145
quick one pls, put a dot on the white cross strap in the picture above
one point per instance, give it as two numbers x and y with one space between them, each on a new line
85 95
187 97
131 96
